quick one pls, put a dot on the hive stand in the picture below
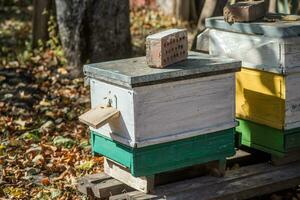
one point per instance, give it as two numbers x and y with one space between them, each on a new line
254 179
147 184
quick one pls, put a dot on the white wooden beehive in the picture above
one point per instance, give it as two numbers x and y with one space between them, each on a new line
267 46
190 98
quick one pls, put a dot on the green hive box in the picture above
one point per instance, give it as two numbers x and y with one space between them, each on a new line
167 156
274 141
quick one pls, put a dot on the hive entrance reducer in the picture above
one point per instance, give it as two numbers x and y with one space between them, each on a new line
167 47
99 116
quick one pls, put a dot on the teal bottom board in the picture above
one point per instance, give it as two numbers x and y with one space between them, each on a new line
274 141
167 156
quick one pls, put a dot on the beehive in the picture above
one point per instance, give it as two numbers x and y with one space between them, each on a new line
189 98
167 47
267 98
154 120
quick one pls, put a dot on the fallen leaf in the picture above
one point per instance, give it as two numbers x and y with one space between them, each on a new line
45 181
39 159
63 142
86 165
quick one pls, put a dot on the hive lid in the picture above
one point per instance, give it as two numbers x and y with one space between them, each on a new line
135 72
277 29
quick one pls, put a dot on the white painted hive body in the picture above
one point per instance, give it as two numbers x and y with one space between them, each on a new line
272 47
265 47
193 97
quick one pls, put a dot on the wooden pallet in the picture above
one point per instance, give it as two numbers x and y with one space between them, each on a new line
243 183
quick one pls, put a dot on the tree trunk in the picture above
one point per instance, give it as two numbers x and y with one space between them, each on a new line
40 21
183 10
210 8
93 31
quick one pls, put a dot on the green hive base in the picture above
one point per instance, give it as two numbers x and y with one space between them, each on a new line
167 156
274 141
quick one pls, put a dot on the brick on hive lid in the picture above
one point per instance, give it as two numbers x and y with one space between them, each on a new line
166 47
245 11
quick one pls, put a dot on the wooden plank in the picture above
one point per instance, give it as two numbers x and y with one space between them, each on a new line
143 183
261 179
135 72
97 117
182 109
287 158
101 186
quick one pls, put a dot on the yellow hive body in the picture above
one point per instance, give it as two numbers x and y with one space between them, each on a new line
260 97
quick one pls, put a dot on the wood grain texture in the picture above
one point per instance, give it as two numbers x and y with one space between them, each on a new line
243 183
143 183
166 112
292 104
99 116
101 186
183 109
121 99
134 72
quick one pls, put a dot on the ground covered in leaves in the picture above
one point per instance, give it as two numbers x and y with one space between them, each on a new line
43 147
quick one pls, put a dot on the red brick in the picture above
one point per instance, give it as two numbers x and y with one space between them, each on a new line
166 48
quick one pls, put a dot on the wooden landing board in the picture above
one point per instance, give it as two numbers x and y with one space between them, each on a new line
99 116
243 183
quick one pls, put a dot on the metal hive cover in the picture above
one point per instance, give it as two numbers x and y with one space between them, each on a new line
277 28
134 72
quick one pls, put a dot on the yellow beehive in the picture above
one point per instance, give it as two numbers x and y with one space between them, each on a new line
268 98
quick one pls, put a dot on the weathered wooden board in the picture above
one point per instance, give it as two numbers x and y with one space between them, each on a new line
142 183
99 116
243 183
278 55
271 99
135 72
166 112
147 184
101 186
